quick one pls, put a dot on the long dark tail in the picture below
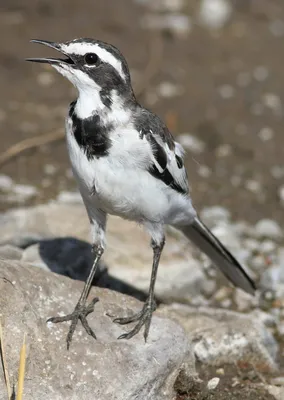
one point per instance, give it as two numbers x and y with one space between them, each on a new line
203 238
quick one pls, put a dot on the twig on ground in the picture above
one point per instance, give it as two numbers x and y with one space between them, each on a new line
30 143
156 51
4 363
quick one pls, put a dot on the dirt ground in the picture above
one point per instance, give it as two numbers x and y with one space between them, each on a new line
231 89
206 65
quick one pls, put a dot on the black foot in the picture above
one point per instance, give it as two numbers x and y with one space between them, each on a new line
80 313
144 317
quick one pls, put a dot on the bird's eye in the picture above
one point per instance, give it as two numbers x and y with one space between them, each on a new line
91 59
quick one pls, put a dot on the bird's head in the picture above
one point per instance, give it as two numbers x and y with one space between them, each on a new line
91 66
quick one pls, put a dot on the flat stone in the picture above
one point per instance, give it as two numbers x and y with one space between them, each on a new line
102 369
224 337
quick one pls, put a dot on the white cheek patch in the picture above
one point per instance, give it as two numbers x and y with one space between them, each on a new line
103 54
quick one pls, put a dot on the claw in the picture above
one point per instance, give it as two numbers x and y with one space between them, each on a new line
143 317
80 313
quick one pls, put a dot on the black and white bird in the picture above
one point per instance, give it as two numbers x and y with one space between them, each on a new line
127 163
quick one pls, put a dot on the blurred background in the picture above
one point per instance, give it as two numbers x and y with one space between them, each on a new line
213 69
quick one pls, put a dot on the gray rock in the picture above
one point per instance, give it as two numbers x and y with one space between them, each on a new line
102 369
215 215
9 252
223 336
267 228
277 392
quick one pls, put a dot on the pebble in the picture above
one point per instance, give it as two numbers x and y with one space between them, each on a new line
220 371
49 169
253 186
69 197
191 143
277 171
204 171
276 27
281 194
163 5
257 263
214 14
24 192
213 383
266 134
6 182
267 228
260 73
45 79
224 150
243 300
226 91
214 215
268 246
168 90
178 24
251 244
273 101
278 381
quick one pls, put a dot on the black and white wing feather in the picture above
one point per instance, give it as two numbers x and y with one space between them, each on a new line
166 154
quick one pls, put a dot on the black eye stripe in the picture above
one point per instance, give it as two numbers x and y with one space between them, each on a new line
91 59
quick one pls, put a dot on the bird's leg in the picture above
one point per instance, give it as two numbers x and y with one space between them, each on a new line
81 310
144 317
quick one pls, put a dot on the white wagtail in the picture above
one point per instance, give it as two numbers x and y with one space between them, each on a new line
126 163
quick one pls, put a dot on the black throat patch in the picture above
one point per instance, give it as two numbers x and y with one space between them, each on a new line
91 135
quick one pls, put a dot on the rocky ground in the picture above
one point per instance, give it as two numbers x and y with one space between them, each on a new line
207 340
217 81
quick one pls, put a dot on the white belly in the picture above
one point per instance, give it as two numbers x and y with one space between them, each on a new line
116 185
119 183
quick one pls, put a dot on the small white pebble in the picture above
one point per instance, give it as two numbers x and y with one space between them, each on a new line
251 244
45 79
267 247
226 91
277 171
276 27
253 186
224 150
191 142
220 371
168 89
213 383
266 134
281 194
6 182
49 169
260 73
204 171
268 228
214 14
273 101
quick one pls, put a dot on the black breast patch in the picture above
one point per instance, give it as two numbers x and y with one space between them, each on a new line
90 134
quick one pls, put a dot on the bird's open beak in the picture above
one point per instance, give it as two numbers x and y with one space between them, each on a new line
56 46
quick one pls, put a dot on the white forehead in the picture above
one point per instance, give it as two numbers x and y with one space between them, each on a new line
104 55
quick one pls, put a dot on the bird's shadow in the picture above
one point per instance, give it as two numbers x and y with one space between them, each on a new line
72 257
